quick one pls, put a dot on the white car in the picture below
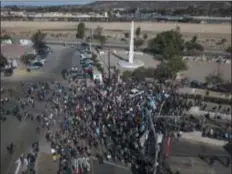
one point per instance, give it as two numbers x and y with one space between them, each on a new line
43 61
83 56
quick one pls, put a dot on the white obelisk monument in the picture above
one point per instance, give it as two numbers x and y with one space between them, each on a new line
131 64
131 51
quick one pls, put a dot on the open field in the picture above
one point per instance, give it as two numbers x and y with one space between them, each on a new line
145 26
209 35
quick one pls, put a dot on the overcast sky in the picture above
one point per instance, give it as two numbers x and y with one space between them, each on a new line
45 3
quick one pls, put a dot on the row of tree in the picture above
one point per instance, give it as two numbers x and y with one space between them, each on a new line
172 39
169 43
96 34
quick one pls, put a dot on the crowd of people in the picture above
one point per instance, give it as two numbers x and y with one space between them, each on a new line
104 121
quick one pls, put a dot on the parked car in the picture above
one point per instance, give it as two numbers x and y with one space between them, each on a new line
8 72
43 61
34 66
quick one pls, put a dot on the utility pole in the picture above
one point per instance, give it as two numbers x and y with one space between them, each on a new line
156 135
91 38
109 74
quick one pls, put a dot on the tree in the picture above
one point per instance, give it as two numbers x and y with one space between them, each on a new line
229 49
193 45
138 42
5 37
214 79
163 72
102 40
141 73
38 42
168 70
26 59
126 75
3 61
80 30
138 32
145 36
176 64
178 29
167 44
126 35
194 39
97 32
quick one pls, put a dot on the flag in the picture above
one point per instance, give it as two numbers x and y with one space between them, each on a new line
98 131
167 147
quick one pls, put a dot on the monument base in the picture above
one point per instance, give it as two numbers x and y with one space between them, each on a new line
127 65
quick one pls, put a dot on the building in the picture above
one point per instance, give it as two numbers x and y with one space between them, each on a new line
14 52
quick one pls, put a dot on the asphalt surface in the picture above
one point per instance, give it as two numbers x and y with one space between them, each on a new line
125 45
184 148
23 134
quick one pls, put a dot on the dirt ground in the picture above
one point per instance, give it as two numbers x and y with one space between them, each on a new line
208 34
145 26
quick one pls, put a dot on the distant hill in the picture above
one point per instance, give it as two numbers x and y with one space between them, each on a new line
157 4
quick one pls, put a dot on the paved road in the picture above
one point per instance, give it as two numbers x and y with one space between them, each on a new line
23 134
184 148
121 44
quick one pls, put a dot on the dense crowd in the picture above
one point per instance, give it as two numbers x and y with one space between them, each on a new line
105 121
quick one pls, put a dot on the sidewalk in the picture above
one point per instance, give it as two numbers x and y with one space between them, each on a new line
196 137
44 163
203 92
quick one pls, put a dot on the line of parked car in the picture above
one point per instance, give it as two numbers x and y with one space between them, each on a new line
86 58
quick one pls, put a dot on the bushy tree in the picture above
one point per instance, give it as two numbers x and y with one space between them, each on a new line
229 49
214 79
177 64
126 35
80 30
102 40
3 61
126 75
26 59
97 32
193 45
168 70
167 44
39 43
138 42
138 32
145 36
163 71
5 37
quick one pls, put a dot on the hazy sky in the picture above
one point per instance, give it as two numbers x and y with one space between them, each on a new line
45 3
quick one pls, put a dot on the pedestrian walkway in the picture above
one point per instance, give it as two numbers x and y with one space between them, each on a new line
196 137
203 92
44 163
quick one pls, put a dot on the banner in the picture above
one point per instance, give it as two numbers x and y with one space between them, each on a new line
81 164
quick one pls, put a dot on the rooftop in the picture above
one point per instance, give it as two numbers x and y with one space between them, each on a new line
15 50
